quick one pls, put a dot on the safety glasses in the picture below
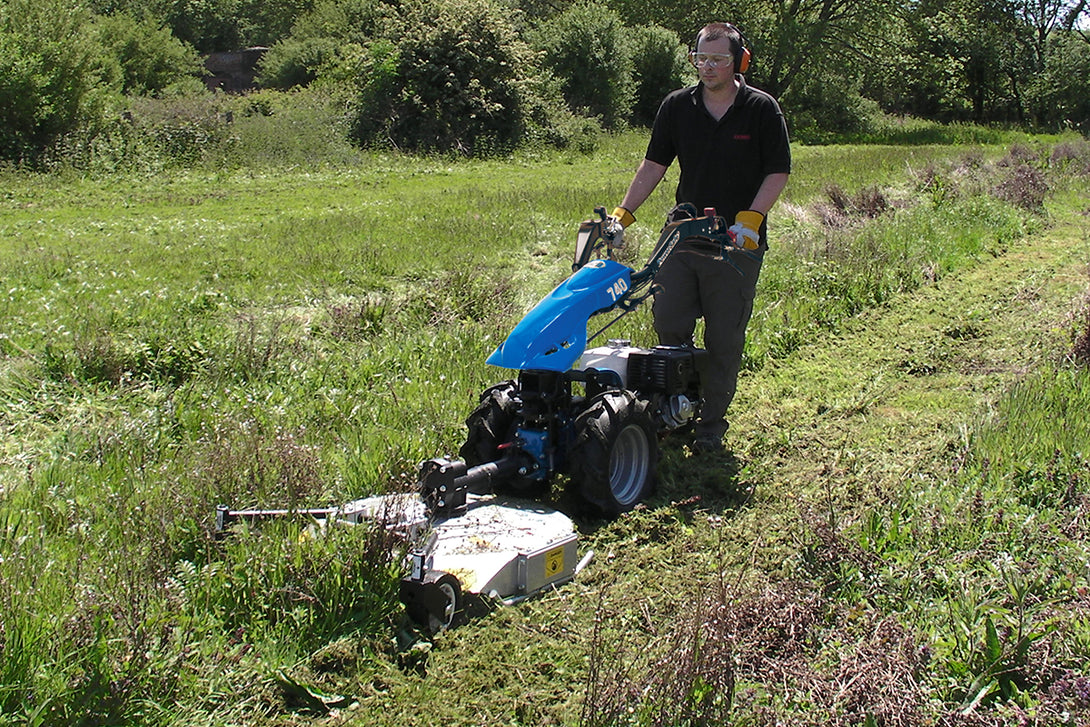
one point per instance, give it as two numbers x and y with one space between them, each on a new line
711 60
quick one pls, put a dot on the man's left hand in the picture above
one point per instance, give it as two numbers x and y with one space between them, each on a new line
746 229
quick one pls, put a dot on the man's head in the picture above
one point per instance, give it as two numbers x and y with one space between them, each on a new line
720 31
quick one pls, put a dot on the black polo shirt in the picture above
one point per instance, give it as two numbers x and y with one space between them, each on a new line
723 163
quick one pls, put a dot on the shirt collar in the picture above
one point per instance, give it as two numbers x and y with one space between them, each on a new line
743 89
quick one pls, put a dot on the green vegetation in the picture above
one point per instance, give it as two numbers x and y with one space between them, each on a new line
898 538
100 84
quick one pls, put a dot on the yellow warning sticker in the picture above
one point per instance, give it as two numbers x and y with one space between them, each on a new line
554 561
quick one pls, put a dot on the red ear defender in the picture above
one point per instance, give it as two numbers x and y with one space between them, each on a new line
743 62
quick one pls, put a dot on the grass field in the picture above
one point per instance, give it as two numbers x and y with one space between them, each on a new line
898 538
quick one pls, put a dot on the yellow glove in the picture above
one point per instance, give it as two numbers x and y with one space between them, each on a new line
746 229
623 216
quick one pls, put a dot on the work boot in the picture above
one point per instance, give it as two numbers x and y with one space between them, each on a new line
707 444
708 436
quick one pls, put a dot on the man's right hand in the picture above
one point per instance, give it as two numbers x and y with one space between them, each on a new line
623 216
615 224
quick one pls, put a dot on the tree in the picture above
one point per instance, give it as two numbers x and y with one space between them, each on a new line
1042 18
683 18
1078 19
347 21
975 43
208 25
264 22
797 38
148 57
1060 94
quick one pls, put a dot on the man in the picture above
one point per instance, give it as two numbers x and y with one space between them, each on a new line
731 143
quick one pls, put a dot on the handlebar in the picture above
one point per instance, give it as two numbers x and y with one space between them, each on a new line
709 228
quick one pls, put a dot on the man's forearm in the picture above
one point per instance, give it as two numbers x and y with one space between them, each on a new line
769 192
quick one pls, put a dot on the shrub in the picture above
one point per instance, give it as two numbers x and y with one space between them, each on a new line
844 209
149 134
447 76
658 67
1024 186
549 121
460 62
1071 158
149 58
295 62
302 127
49 71
373 71
185 130
384 104
816 116
586 48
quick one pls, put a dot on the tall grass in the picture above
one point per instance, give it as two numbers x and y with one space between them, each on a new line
986 565
262 338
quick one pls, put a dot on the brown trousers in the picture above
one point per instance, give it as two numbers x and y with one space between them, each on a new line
695 285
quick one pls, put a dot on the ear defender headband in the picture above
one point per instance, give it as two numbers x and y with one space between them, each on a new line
741 63
742 56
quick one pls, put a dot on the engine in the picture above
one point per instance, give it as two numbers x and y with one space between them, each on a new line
668 376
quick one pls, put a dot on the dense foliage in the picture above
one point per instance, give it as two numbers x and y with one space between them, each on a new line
48 74
457 81
585 48
483 76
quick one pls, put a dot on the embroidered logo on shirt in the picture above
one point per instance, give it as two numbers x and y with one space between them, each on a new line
741 137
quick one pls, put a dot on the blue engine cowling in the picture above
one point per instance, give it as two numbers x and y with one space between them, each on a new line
553 335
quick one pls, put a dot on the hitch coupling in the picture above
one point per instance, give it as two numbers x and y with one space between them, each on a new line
444 483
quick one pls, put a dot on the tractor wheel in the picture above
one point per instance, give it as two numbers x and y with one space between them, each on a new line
435 603
615 453
490 424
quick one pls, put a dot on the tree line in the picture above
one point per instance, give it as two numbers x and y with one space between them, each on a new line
483 76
